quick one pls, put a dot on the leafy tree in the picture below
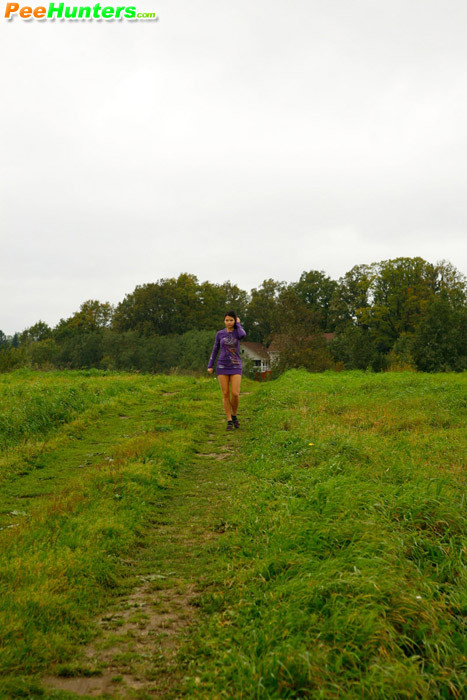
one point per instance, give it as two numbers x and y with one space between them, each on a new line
401 356
44 354
293 312
234 297
39 331
177 305
353 347
301 342
262 318
449 283
400 292
81 351
215 300
186 303
402 312
146 310
194 349
440 341
11 358
211 305
350 298
97 314
316 290
92 316
120 350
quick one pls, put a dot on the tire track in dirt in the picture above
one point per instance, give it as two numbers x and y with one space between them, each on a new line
135 654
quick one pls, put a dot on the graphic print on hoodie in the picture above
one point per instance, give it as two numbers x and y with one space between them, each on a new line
230 344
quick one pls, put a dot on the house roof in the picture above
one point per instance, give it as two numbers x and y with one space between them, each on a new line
274 344
258 348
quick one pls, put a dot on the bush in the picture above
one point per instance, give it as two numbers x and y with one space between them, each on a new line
400 358
440 341
43 354
354 348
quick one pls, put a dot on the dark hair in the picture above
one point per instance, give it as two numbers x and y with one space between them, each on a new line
234 316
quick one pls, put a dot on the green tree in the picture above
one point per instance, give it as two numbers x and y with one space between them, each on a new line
300 342
186 303
82 350
176 306
120 350
351 298
353 347
39 331
400 292
92 316
12 357
316 290
146 310
440 341
262 318
234 298
44 354
194 349
449 283
401 357
215 300
211 300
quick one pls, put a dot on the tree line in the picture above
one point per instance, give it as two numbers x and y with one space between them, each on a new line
404 313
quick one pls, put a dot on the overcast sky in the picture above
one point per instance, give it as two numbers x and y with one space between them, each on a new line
233 140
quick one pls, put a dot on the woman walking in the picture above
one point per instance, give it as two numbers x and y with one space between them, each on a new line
229 366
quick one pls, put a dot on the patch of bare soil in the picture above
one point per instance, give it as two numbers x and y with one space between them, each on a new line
221 454
135 656
211 455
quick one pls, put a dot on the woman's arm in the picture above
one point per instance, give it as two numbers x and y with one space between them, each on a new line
241 333
215 350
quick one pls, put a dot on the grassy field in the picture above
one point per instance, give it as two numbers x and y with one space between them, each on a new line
319 551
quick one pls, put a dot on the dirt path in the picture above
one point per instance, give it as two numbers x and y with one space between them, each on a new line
135 656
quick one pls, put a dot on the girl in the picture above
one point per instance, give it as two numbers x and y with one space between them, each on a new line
229 366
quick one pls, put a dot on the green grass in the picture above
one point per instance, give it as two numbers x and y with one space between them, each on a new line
85 500
338 569
347 557
34 404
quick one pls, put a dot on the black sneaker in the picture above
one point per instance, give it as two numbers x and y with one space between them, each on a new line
235 422
229 425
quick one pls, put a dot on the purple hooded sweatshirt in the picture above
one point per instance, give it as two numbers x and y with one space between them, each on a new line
229 343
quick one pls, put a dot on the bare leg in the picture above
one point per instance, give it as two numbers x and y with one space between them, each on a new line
235 380
224 382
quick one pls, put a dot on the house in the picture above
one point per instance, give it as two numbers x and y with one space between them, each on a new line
273 351
263 358
256 352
